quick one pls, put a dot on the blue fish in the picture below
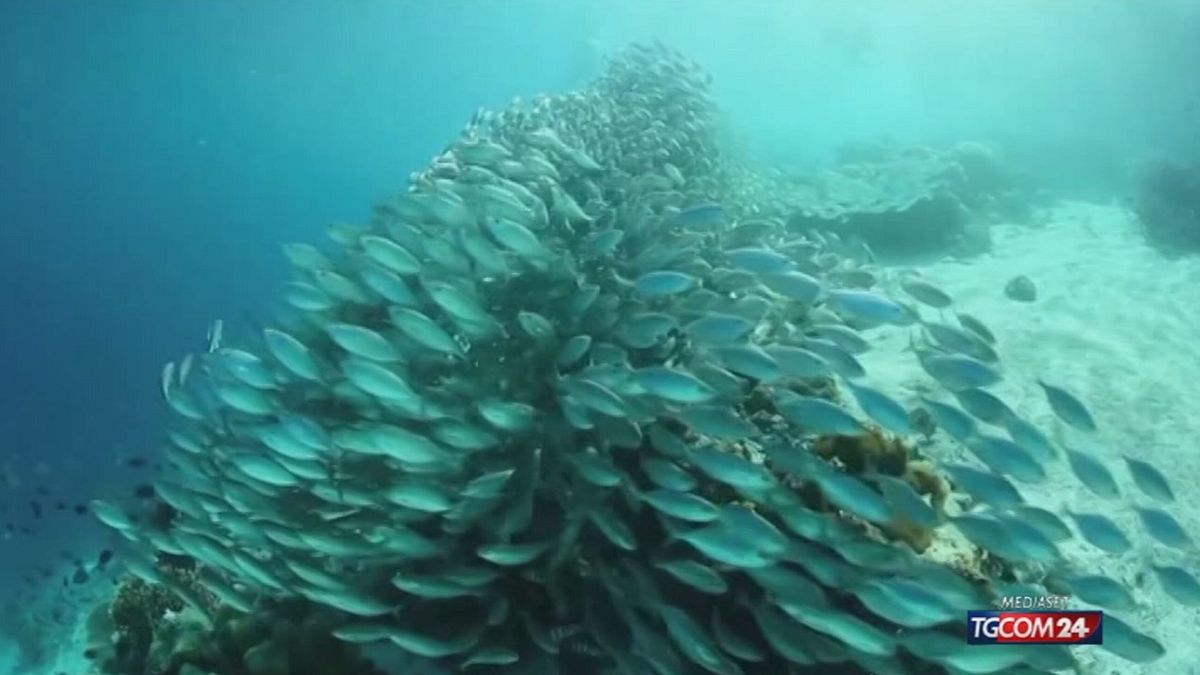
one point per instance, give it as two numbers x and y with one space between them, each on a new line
985 406
749 360
798 362
731 469
1100 590
1163 527
1068 408
841 361
868 307
904 501
957 372
1101 532
984 485
793 286
883 409
1031 438
1093 474
719 328
664 283
759 260
717 421
1003 456
1179 584
1124 641
1150 480
701 215
850 494
956 423
818 416
1050 525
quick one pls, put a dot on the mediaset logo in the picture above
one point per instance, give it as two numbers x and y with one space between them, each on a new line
989 627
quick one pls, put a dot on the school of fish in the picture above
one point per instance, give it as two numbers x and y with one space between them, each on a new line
554 407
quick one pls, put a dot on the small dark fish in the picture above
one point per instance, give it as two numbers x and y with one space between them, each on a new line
59 506
80 509
37 509
136 462
105 556
80 576
144 491
1021 289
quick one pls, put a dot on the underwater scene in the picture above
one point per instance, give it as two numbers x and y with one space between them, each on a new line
579 337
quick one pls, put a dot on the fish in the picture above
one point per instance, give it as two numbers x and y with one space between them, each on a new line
760 260
850 494
1124 641
674 385
984 485
1100 590
732 470
1006 457
1094 475
985 406
956 423
681 505
749 360
957 372
1149 480
1068 408
976 326
664 283
798 362
363 342
699 216
1101 532
818 416
389 255
716 328
1163 527
793 285
882 408
868 307
1178 583
926 292
292 354
839 360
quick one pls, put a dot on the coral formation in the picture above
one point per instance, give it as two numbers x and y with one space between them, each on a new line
146 630
1168 206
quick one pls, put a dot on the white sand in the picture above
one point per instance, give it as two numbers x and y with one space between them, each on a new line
1119 326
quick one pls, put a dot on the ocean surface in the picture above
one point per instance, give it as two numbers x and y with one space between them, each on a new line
155 158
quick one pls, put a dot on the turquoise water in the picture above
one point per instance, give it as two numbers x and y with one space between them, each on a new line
155 156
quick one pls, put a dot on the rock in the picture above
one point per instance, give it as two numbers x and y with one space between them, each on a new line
1021 289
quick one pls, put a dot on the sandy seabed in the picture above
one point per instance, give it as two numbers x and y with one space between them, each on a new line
1117 324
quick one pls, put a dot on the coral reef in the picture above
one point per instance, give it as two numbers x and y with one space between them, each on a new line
146 629
900 201
1168 206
